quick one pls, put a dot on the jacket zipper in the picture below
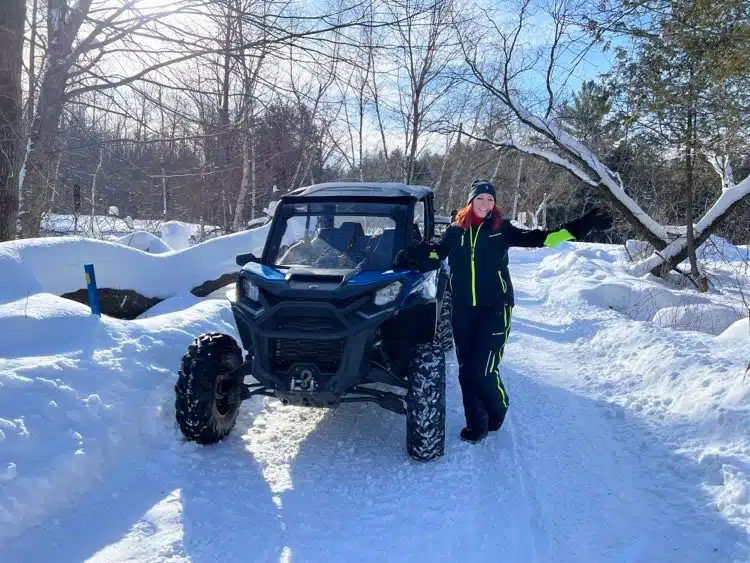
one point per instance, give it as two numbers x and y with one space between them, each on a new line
473 241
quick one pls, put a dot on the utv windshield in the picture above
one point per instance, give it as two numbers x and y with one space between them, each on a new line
338 235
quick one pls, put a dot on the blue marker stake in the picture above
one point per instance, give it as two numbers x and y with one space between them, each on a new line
91 286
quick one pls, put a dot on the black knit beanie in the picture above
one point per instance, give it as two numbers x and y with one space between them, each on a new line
481 187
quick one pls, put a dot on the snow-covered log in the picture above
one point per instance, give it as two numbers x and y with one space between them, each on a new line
676 251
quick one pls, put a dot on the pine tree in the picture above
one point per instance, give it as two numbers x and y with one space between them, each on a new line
588 117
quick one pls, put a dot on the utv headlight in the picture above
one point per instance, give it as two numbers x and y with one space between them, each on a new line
250 289
388 293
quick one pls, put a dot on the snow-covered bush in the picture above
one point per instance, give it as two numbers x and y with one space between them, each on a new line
702 317
176 234
144 241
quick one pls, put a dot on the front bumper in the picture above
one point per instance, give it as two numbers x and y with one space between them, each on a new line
309 349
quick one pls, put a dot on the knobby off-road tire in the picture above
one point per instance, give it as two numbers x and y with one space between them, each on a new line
207 399
444 332
425 403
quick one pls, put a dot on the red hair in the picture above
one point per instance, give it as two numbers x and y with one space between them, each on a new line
465 218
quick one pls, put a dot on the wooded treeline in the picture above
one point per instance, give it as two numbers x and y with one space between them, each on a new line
207 110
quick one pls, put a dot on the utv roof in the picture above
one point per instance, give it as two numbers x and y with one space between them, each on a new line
369 189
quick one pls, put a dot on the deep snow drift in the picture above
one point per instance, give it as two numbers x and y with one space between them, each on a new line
77 393
626 440
55 265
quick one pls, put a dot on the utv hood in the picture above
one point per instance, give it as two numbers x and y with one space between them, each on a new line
301 282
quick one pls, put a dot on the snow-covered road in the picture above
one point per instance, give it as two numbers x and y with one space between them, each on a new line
587 468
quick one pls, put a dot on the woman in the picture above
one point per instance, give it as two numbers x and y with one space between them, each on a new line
476 246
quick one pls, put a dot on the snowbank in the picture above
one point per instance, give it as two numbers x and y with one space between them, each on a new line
689 388
686 384
597 276
176 234
738 332
55 265
141 240
715 248
702 317
594 276
78 393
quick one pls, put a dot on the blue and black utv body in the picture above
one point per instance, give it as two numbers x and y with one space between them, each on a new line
325 319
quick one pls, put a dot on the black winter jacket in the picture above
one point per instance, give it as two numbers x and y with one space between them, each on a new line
478 259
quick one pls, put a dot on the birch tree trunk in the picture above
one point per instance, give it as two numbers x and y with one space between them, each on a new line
93 191
517 193
689 168
247 166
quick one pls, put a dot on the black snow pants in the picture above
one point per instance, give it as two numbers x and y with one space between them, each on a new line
480 334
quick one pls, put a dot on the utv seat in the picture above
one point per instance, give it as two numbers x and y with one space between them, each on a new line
344 238
344 245
383 251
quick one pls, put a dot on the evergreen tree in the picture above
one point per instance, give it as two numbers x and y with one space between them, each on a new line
686 82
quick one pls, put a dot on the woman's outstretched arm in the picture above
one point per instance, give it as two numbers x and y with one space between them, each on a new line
572 230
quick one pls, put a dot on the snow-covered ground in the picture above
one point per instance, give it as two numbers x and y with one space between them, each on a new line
627 440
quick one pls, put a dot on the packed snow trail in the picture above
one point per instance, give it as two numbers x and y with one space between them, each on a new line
571 477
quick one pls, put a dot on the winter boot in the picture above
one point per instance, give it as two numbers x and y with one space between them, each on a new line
473 435
494 425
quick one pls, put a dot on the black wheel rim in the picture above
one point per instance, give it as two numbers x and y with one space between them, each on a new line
223 394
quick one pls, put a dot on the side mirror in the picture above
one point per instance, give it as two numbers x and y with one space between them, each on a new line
246 258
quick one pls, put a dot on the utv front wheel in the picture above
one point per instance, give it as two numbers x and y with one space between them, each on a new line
207 397
425 403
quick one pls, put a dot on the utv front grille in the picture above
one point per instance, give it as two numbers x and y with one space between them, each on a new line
339 303
324 354
308 324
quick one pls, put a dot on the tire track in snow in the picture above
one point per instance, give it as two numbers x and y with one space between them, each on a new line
454 411
520 470
523 437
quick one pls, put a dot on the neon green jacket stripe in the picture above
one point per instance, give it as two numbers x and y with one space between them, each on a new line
473 241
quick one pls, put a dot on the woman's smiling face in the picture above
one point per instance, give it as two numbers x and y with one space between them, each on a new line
482 205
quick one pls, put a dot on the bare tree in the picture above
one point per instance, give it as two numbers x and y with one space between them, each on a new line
85 38
12 14
425 47
251 64
64 61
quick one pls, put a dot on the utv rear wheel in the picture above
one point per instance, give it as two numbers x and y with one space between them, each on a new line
208 398
425 403
444 332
